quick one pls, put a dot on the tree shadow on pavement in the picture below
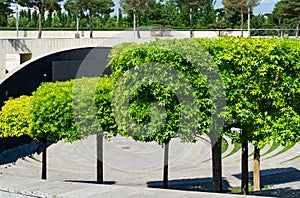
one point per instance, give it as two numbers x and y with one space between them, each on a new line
91 182
275 176
279 192
197 184
11 155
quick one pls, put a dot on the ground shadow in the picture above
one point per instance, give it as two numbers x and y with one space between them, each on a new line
197 184
11 155
280 192
275 176
91 182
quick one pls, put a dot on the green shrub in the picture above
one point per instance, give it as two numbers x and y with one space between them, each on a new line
14 117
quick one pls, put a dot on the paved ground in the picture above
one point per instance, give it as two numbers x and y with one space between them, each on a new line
130 163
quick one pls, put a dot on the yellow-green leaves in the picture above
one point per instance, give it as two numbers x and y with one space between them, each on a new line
14 117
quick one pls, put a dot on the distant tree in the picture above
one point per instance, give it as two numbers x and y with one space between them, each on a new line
137 8
41 6
289 9
34 19
5 12
29 14
203 7
93 8
241 6
48 20
120 18
56 22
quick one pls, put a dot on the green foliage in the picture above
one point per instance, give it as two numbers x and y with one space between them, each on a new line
14 117
167 68
56 22
51 112
91 99
62 110
103 95
261 80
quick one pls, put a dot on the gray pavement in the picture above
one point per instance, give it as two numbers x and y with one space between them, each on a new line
139 165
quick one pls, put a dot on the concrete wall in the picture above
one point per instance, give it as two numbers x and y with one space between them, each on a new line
42 47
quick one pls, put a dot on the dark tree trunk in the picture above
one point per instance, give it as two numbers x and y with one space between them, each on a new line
245 185
166 166
138 26
256 169
217 165
191 22
99 159
40 22
91 23
44 159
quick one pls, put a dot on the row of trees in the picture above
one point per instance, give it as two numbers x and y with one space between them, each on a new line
174 88
149 13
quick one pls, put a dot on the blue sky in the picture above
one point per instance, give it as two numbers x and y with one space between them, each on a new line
266 6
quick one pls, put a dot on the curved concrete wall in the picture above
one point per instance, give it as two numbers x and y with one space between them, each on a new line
57 66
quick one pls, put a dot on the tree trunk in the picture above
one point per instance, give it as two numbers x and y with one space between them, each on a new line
44 159
217 165
297 28
40 22
91 24
256 169
191 22
138 26
245 186
99 159
242 23
166 166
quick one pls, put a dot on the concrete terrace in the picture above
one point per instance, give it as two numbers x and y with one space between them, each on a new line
136 167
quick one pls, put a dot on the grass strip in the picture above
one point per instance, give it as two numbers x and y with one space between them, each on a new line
235 149
296 157
224 145
272 148
288 147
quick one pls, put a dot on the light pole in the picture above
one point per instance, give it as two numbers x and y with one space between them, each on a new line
17 20
249 12
134 25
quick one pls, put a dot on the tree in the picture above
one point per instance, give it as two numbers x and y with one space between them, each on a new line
51 116
41 6
137 8
201 7
154 113
289 9
94 8
261 98
48 20
5 12
241 6
56 21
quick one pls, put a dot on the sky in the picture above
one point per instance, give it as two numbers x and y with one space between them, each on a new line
266 6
